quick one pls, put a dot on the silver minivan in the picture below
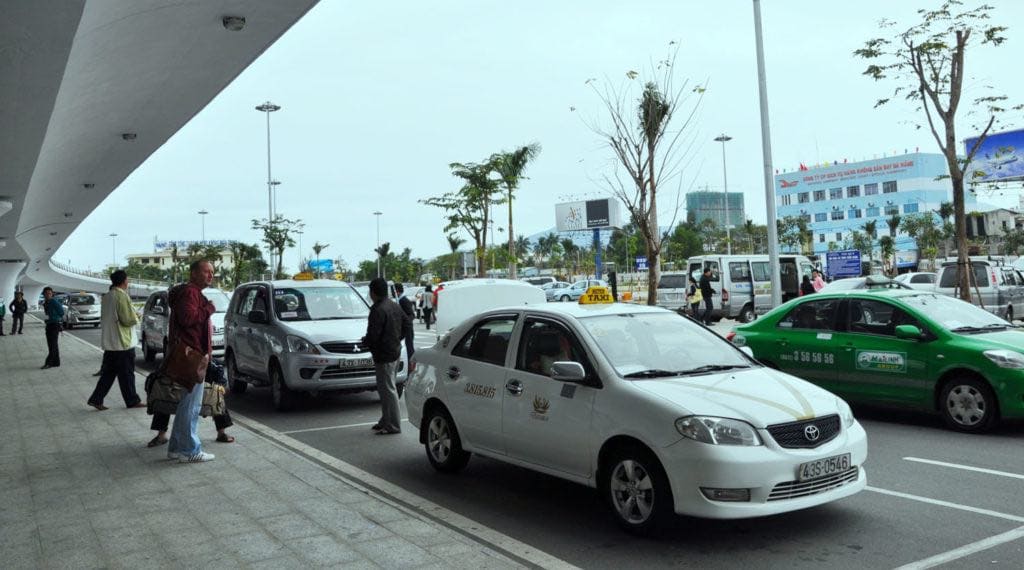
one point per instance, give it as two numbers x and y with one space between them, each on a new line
742 283
299 336
156 315
1001 286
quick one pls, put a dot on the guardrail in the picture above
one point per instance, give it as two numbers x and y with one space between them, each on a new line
106 276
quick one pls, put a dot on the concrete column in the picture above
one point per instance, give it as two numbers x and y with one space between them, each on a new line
8 277
32 292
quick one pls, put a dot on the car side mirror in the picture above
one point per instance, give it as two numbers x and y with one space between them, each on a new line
568 372
158 310
258 317
909 332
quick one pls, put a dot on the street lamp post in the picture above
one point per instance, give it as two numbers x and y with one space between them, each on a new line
273 208
724 138
299 232
268 108
378 214
766 151
202 216
113 250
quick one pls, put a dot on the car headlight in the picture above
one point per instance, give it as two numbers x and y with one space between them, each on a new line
718 431
1006 358
845 413
299 344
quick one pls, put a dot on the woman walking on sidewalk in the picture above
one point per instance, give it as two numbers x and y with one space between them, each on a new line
18 309
54 319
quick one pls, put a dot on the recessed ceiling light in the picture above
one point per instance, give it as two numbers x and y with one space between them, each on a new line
233 23
68 214
53 233
129 136
90 185
49 248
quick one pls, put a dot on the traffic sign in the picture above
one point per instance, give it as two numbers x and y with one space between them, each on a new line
844 263
641 263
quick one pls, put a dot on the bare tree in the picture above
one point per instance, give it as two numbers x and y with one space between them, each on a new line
927 61
651 146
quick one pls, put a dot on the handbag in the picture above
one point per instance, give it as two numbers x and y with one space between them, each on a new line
185 365
162 395
213 401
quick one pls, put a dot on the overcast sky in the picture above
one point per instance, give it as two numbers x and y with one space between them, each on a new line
378 97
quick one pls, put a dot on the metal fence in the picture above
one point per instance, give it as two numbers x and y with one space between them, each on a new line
106 276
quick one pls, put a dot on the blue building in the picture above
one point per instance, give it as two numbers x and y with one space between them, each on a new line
837 199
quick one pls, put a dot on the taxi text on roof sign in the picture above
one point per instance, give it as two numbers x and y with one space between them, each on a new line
597 295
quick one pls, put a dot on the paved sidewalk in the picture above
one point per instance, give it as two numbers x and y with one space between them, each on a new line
79 489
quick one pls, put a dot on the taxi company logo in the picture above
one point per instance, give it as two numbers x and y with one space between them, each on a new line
540 408
882 361
812 433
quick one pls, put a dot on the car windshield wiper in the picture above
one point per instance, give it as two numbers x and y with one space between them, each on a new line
712 368
653 373
988 327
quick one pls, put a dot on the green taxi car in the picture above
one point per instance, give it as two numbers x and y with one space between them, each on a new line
896 346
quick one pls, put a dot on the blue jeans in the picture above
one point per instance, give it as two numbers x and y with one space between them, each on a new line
184 436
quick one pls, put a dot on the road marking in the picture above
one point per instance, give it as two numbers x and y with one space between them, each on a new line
364 424
415 505
948 504
965 467
965 550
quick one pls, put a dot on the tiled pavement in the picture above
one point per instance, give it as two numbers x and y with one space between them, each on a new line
79 489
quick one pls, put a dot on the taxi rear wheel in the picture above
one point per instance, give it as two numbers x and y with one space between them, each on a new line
968 405
637 490
444 447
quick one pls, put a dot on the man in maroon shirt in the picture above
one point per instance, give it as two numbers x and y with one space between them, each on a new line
190 324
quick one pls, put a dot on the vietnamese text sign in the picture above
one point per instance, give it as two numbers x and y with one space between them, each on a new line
641 263
843 263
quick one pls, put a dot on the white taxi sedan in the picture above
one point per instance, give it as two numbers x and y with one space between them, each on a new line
660 414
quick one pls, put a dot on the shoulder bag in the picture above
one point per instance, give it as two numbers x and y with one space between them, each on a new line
185 365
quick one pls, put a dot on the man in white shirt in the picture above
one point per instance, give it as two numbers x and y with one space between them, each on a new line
118 319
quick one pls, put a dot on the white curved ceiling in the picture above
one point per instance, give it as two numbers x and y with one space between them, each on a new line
77 74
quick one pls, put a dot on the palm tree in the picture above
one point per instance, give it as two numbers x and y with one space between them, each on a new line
888 247
871 231
510 167
522 246
454 243
750 228
382 254
894 224
317 248
946 211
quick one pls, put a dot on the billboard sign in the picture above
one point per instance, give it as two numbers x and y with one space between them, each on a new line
1000 157
185 244
587 215
844 263
322 266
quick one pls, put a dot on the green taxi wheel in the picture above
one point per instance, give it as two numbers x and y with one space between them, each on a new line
968 405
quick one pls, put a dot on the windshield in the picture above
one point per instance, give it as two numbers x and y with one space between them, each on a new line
954 314
219 299
80 300
844 285
649 345
319 304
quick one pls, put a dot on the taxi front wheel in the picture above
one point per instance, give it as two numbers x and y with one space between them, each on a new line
637 490
968 405
444 448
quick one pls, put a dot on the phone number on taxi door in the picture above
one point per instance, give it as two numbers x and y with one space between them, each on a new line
811 357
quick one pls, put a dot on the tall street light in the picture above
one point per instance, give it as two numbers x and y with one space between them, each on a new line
269 108
766 151
113 250
202 216
299 231
724 138
378 214
273 209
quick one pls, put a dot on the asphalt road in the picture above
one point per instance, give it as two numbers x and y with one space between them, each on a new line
932 493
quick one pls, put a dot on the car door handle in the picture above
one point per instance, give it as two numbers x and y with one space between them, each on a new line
781 342
514 387
849 346
454 372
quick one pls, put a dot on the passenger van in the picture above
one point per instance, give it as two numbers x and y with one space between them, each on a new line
1001 286
742 282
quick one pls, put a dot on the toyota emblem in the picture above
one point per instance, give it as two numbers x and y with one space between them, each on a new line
812 433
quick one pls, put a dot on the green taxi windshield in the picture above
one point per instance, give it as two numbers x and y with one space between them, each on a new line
953 314
656 345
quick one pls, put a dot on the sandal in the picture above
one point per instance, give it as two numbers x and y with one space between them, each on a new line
156 441
225 438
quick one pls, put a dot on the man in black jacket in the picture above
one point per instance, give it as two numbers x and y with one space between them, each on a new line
384 339
706 292
18 309
410 314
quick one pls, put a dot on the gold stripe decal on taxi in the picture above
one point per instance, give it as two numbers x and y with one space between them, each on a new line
797 415
808 410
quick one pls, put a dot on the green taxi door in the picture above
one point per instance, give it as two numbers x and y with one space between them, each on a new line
804 344
876 361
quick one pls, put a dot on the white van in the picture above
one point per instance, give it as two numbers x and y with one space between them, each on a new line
742 284
1001 287
460 300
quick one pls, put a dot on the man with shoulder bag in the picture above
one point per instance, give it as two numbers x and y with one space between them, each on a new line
188 355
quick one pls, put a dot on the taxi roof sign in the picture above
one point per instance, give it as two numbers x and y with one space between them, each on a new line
597 295
304 276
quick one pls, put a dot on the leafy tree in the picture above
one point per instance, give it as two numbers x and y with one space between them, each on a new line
277 234
1013 241
248 262
650 146
510 167
887 246
928 63
871 232
926 232
683 243
469 207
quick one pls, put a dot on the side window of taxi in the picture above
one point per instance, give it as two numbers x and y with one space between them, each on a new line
812 315
246 305
543 344
868 316
487 341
